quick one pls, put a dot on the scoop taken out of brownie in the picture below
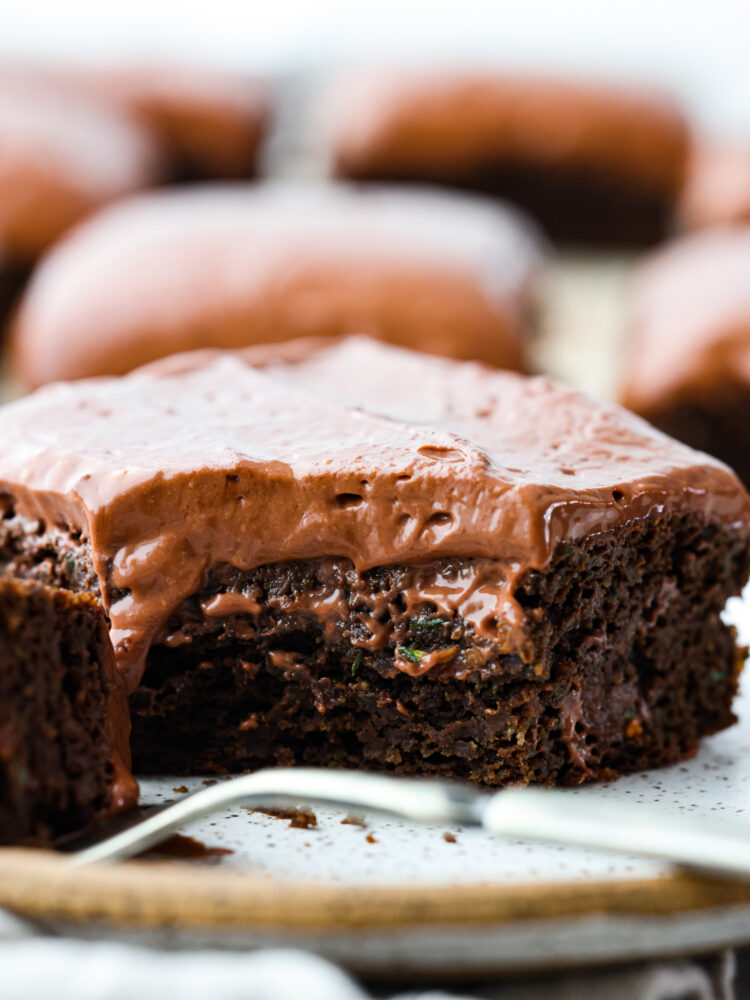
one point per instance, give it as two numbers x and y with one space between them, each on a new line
349 554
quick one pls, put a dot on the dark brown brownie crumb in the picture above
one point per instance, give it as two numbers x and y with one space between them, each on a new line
56 769
54 555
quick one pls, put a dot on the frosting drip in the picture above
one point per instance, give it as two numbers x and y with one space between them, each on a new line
350 450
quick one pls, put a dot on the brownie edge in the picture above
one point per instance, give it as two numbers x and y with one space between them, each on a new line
64 728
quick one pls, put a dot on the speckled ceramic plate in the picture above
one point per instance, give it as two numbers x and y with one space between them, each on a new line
389 896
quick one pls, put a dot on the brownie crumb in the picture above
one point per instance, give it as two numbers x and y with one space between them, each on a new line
449 838
299 819
180 790
370 839
353 820
180 846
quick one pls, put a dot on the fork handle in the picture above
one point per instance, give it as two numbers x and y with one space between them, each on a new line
717 847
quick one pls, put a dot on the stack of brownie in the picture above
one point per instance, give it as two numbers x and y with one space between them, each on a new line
350 554
235 532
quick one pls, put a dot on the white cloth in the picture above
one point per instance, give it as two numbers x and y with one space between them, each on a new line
40 968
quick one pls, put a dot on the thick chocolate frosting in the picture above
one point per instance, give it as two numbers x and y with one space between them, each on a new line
689 320
351 449
60 158
440 124
229 266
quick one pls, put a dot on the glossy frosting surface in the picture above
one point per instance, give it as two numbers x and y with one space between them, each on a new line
689 320
232 265
350 449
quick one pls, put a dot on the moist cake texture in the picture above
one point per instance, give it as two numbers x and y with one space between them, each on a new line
594 163
63 718
233 265
351 554
688 365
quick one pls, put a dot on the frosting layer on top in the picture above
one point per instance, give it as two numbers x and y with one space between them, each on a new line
350 449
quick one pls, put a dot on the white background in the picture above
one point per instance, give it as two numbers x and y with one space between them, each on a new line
700 48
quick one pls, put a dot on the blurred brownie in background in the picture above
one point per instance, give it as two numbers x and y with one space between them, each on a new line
717 189
210 123
229 266
64 725
688 367
61 157
595 163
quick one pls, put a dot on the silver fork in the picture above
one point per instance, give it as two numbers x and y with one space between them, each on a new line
536 814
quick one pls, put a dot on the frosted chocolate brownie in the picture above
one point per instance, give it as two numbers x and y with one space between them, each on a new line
688 365
64 725
595 163
229 266
209 123
63 157
212 123
350 554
